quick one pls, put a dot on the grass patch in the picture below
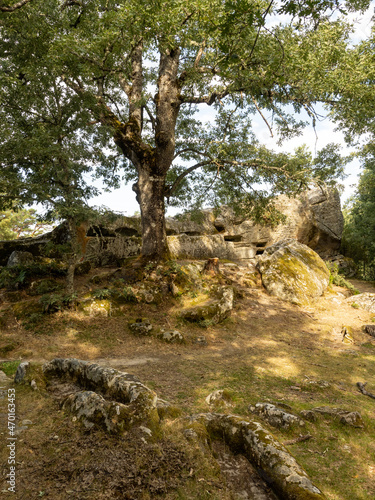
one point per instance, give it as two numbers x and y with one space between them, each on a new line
9 367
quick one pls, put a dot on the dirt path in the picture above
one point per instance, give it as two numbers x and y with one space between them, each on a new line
363 286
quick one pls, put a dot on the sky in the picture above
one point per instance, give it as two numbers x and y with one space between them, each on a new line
123 199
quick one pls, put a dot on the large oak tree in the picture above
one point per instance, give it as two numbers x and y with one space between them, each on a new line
135 74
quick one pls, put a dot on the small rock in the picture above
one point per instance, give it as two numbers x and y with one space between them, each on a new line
308 415
347 337
215 311
276 416
33 385
220 397
364 301
141 327
162 404
370 329
352 418
3 377
82 268
21 372
190 434
171 336
201 340
146 430
174 290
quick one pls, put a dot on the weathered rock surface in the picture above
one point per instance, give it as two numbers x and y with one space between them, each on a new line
115 400
277 417
21 372
352 418
141 327
370 329
215 311
96 307
220 397
18 258
314 219
207 246
3 377
267 454
171 336
242 477
36 246
293 272
365 301
345 265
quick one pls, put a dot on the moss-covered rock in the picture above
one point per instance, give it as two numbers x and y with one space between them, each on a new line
364 301
213 312
96 307
114 400
293 272
262 449
171 336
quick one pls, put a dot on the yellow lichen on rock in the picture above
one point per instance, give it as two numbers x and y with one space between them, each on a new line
293 272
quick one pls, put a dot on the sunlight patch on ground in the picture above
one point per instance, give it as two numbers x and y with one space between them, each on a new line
282 367
84 350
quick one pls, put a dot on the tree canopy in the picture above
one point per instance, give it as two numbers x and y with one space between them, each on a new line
20 223
115 88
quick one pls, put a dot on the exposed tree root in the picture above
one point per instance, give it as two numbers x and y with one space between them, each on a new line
361 387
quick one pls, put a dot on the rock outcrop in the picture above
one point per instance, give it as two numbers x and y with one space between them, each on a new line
110 399
314 219
260 447
364 301
212 312
293 272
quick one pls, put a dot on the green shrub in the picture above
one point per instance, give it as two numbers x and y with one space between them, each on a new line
54 302
102 293
14 278
337 279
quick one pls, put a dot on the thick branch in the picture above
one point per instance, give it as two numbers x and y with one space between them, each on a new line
167 103
182 176
126 135
209 100
135 93
152 118
199 54
14 7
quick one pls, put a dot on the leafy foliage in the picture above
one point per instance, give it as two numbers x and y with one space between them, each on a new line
17 277
20 223
359 231
127 100
336 278
56 301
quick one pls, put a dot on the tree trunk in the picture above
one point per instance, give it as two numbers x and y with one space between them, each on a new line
72 257
150 196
